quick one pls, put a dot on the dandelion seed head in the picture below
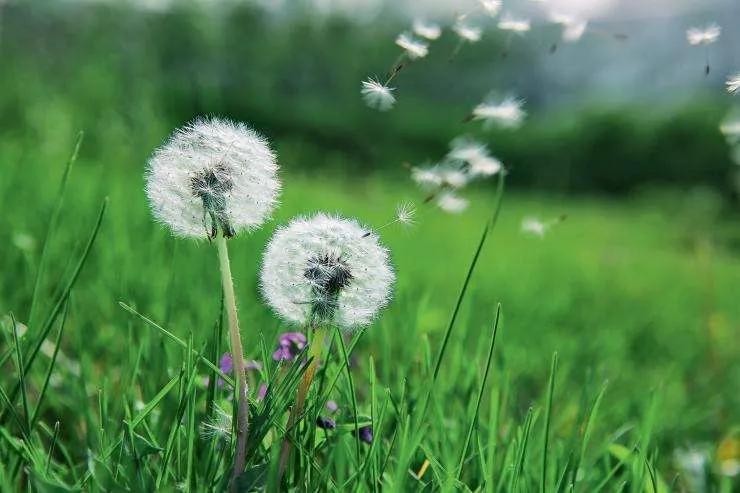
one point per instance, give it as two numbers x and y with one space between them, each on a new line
491 7
733 84
513 24
212 174
467 32
451 203
507 113
697 36
427 30
413 47
377 95
326 270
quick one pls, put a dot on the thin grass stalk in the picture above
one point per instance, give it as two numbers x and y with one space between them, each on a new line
237 355
304 386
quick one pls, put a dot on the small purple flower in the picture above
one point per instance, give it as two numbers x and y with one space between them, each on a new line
325 423
226 363
289 345
261 392
253 364
366 434
332 406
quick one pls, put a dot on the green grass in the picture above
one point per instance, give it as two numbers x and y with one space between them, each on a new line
633 293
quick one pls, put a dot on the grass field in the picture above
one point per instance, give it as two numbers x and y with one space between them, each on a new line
638 298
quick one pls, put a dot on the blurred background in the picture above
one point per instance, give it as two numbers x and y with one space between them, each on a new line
637 286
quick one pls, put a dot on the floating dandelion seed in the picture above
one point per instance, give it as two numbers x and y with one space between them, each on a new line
451 203
491 7
405 213
212 175
326 270
413 47
427 178
703 36
534 226
377 95
466 32
733 84
510 23
573 27
427 30
507 113
218 426
478 162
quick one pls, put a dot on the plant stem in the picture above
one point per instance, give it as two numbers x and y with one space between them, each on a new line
314 354
237 356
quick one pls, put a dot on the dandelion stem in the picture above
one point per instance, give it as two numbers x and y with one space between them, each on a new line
314 354
237 355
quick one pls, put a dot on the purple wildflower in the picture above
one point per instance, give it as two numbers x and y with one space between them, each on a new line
366 434
325 423
289 345
226 365
253 364
332 406
261 392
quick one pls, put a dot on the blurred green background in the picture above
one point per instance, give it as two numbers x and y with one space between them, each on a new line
639 285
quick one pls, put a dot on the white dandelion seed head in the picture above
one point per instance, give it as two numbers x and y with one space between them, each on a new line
414 48
534 226
506 113
406 213
451 203
703 36
326 270
733 84
377 96
513 24
467 32
218 426
491 7
427 30
212 173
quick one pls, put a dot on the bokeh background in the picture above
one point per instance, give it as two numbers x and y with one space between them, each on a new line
638 286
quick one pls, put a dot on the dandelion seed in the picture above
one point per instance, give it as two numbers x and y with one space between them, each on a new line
326 270
730 128
703 36
573 27
427 30
518 26
507 113
427 178
733 84
212 175
451 203
413 47
405 213
466 32
534 226
218 426
377 95
491 7
479 163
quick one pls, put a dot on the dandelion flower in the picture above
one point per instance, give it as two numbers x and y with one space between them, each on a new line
413 47
507 113
427 30
377 95
212 175
466 32
451 203
491 7
509 23
733 84
703 36
326 270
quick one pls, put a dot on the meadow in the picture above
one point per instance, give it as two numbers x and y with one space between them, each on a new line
599 357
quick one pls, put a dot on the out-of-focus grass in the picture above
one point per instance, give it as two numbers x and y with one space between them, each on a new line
630 292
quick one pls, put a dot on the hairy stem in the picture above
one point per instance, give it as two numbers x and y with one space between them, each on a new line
314 354
237 355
